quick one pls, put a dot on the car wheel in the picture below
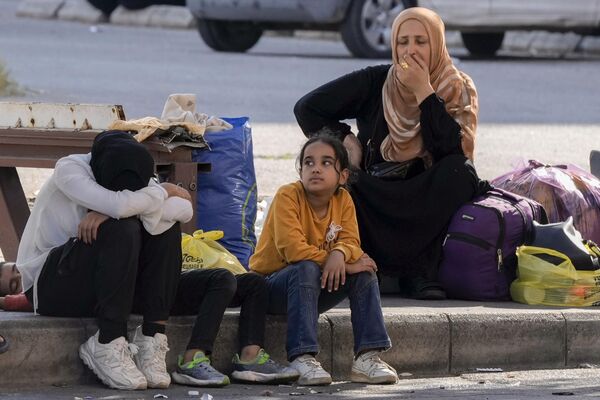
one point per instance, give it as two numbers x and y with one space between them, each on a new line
367 29
484 44
106 6
231 36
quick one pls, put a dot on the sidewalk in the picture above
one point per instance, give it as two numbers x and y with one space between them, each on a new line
429 339
535 43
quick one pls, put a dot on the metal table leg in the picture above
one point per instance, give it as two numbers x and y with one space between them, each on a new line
13 212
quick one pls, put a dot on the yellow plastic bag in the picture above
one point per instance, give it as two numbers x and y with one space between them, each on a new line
201 250
548 277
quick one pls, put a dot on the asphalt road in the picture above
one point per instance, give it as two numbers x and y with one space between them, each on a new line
542 385
140 67
547 109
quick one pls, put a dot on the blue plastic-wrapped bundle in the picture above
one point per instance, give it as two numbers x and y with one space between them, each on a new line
227 195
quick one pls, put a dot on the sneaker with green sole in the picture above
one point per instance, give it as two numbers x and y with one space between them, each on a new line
199 372
262 370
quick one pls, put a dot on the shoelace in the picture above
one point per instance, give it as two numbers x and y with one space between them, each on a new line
161 346
209 368
311 363
130 350
199 361
124 354
376 363
275 365
157 354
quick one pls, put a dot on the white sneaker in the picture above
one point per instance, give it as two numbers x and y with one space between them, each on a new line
112 363
369 368
311 371
150 358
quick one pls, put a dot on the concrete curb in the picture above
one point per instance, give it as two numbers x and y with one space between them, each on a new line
534 43
420 343
45 9
81 11
429 339
507 340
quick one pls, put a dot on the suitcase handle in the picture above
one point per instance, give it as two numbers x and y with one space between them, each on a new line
505 194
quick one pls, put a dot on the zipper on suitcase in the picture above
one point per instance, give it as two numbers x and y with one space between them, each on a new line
501 231
500 262
468 239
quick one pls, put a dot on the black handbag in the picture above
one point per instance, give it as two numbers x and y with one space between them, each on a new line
563 237
393 170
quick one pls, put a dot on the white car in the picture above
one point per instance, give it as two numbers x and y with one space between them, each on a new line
482 23
365 25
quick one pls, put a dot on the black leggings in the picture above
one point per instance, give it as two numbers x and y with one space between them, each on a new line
125 269
206 293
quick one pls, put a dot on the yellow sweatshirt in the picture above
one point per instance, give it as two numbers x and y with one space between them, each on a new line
292 231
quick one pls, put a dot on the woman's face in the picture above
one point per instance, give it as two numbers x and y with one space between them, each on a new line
413 39
10 279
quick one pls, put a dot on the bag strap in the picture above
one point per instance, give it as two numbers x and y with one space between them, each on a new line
504 194
539 213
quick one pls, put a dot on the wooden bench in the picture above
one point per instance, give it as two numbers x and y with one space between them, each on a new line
40 147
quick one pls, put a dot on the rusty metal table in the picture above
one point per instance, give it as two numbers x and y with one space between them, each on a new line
41 148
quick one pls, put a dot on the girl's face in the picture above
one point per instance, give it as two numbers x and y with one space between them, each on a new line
319 170
413 39
10 279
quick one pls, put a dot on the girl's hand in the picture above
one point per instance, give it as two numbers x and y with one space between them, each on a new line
88 227
334 271
364 263
415 76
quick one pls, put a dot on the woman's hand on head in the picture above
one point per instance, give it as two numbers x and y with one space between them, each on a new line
88 227
415 76
334 271
176 191
354 149
363 264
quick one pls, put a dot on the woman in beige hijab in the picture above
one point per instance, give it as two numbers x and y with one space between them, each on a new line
413 153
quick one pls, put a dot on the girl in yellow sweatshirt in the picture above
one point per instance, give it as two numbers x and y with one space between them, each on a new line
310 252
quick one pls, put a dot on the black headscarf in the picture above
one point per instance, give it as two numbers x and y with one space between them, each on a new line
119 162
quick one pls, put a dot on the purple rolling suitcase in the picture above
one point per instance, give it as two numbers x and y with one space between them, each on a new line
479 260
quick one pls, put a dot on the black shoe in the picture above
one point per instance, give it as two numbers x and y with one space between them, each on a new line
423 289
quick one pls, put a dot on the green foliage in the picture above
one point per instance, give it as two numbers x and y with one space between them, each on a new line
8 87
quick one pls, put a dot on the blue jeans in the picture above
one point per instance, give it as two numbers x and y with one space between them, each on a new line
296 291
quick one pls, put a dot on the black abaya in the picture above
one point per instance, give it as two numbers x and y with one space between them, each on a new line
402 223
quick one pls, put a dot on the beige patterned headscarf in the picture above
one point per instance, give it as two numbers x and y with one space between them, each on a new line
401 110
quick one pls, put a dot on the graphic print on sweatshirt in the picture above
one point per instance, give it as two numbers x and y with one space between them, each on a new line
331 236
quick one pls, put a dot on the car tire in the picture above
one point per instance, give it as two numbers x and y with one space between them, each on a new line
106 6
229 36
366 30
141 4
484 44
